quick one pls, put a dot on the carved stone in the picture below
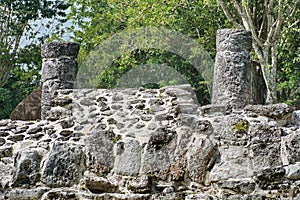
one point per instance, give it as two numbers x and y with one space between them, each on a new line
232 84
59 70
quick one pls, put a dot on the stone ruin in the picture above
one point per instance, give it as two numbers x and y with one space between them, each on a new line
152 143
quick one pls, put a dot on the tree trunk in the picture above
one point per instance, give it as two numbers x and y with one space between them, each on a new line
269 73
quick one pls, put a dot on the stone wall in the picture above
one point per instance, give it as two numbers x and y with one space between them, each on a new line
148 143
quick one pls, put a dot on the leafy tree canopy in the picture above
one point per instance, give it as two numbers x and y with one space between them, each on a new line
99 20
23 22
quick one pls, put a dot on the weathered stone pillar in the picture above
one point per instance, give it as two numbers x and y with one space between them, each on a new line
232 84
59 70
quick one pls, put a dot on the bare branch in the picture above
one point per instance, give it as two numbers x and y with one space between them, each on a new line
294 24
250 22
293 11
228 15
259 53
279 22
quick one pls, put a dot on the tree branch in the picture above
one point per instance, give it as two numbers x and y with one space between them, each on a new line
279 22
250 22
293 11
228 15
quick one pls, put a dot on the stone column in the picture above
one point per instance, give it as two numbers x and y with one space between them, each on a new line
232 85
59 70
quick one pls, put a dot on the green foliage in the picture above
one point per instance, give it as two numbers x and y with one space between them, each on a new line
5 102
241 126
289 67
20 64
17 23
24 78
99 20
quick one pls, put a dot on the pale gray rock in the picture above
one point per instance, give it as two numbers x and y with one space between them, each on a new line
270 178
28 163
6 173
25 194
233 71
64 165
231 128
234 162
140 184
158 157
213 109
61 195
296 118
59 69
200 196
293 171
128 158
99 185
281 113
265 133
201 157
57 49
242 186
290 151
99 145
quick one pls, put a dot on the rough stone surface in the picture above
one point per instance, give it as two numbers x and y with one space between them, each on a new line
149 144
290 148
64 166
296 118
233 72
28 163
281 113
59 70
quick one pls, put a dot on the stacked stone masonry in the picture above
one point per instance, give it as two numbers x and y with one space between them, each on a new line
150 144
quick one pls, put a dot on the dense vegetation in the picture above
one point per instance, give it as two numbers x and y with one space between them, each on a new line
95 21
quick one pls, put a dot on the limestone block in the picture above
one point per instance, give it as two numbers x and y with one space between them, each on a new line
60 194
265 133
25 194
265 155
233 72
281 113
290 151
99 145
184 93
57 49
296 118
293 171
242 186
61 68
231 128
213 110
6 171
270 178
201 157
98 184
128 158
179 155
28 166
201 196
234 163
158 157
64 165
